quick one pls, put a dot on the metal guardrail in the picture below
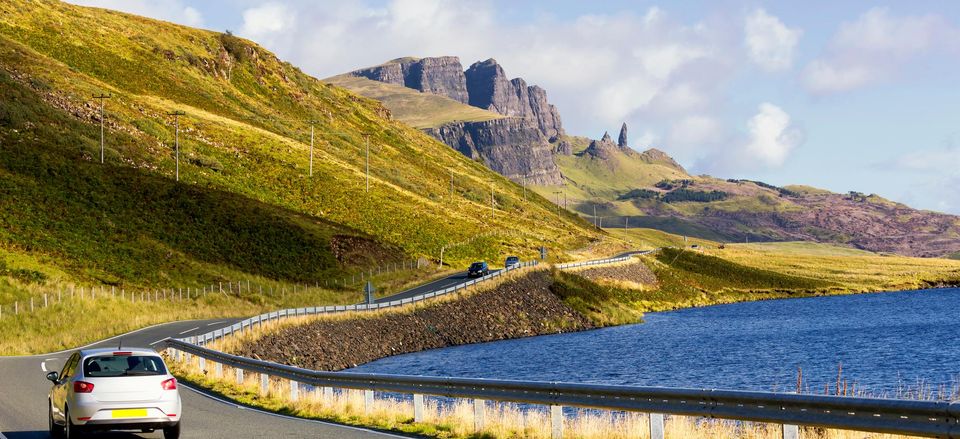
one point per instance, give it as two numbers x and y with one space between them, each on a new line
298 312
918 418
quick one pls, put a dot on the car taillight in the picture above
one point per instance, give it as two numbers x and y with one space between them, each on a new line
170 384
82 387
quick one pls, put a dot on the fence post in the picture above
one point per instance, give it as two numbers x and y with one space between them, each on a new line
367 402
294 390
328 395
556 422
239 375
417 408
478 414
656 426
44 300
791 432
31 304
264 384
203 364
218 371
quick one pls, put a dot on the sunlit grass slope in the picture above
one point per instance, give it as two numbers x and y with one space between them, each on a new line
245 201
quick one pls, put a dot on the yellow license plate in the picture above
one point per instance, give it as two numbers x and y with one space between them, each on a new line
130 413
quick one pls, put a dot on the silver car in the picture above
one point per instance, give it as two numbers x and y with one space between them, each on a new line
110 389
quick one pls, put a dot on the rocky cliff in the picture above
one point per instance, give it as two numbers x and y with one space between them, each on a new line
512 146
490 89
441 75
519 146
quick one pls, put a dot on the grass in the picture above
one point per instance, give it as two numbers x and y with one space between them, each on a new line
419 110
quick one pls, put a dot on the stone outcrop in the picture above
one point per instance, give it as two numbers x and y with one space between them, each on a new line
519 146
513 147
622 140
603 149
441 75
490 89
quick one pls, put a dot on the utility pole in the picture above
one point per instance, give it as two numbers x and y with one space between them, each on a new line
601 223
626 222
311 146
564 199
558 203
451 181
595 215
101 97
492 208
176 121
367 137
524 187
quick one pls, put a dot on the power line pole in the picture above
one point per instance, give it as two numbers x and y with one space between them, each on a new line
524 187
626 222
595 215
558 202
367 137
311 147
101 97
493 210
451 181
176 121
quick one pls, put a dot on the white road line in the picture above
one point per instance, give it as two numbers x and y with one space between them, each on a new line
216 323
43 365
158 341
292 418
194 329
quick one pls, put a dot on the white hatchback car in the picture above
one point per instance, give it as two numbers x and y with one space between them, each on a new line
109 389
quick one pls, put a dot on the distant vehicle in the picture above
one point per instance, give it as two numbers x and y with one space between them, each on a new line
511 261
110 389
478 269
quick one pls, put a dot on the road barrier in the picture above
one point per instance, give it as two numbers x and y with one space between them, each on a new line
918 418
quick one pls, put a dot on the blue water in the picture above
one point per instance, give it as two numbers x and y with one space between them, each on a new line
885 342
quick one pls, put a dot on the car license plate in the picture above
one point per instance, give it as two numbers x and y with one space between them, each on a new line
130 413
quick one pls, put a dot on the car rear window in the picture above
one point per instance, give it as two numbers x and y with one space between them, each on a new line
123 365
475 266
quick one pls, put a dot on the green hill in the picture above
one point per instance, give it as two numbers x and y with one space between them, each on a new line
419 110
245 202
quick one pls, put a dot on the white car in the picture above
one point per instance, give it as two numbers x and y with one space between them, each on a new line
110 389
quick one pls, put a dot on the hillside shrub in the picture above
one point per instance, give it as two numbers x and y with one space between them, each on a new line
680 195
639 194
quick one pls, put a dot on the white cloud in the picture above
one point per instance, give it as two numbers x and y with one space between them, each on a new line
771 136
694 131
875 47
267 20
770 43
172 10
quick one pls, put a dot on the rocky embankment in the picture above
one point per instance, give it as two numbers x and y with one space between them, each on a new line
517 308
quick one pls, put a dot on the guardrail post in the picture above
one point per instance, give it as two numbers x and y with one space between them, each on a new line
327 395
791 431
478 414
417 408
202 363
656 425
218 371
556 422
368 402
239 376
294 390
264 384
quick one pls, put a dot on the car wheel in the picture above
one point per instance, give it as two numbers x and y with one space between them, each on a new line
56 431
70 431
172 432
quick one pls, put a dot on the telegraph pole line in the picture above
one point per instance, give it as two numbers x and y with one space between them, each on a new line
524 187
176 121
451 181
558 203
595 215
101 97
493 210
367 138
311 146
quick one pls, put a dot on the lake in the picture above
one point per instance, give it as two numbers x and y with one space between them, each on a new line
885 343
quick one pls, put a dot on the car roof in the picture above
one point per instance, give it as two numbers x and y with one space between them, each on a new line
100 351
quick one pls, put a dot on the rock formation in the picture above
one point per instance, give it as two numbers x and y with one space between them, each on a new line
603 149
622 140
513 147
490 89
441 75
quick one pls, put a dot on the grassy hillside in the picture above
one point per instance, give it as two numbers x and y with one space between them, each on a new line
245 205
419 110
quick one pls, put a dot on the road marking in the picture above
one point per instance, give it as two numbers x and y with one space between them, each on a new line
43 365
216 323
194 329
277 415
158 341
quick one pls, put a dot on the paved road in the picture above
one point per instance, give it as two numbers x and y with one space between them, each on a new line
439 284
23 398
23 390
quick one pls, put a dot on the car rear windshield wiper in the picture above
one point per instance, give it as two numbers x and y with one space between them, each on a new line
140 373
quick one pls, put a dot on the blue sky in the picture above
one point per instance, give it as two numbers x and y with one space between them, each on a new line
841 95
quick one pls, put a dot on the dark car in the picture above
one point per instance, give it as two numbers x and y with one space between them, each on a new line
511 262
478 269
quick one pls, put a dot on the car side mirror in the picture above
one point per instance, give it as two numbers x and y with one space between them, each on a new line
53 376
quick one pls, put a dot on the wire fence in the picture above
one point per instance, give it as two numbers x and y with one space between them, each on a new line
43 298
